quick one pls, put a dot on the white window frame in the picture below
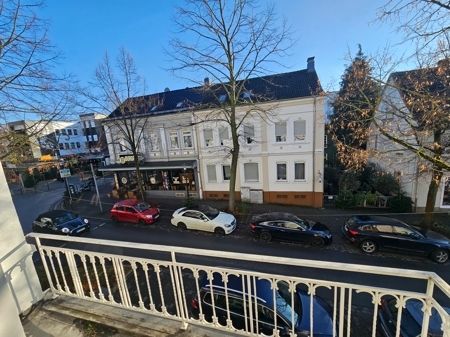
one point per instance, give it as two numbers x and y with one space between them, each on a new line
171 134
221 132
257 173
285 134
249 136
211 141
304 170
302 137
215 174
187 134
276 170
223 172
154 142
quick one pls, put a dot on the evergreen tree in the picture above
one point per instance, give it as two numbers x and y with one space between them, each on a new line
354 108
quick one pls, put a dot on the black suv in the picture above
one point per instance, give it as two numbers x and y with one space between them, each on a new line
377 232
292 310
289 227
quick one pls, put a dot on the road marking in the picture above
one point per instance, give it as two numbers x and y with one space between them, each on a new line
101 225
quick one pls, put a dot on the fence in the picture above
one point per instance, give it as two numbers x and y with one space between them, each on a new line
245 294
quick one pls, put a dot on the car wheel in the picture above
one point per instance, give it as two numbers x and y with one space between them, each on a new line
265 236
317 242
181 226
219 231
368 246
439 256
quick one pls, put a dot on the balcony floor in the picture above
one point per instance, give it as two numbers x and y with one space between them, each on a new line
72 317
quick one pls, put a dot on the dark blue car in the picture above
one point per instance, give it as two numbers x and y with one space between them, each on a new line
287 314
60 222
289 227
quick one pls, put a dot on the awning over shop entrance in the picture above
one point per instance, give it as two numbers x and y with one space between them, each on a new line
155 165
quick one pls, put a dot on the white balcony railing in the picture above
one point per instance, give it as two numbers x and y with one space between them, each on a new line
164 281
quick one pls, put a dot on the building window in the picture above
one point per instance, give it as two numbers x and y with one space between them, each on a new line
92 122
187 138
226 170
61 146
72 145
69 132
446 193
299 169
75 132
122 146
251 172
249 134
281 172
208 136
174 140
280 132
57 131
211 172
63 131
94 138
325 141
299 130
154 142
78 145
66 146
223 134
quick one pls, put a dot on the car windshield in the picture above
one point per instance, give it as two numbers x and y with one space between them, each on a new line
143 206
63 218
211 212
284 303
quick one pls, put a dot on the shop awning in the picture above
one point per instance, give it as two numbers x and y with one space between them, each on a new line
154 165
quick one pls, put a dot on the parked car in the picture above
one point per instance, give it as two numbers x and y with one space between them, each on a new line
134 211
204 218
289 227
60 222
263 294
374 233
411 320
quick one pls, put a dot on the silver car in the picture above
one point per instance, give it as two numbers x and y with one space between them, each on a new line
204 219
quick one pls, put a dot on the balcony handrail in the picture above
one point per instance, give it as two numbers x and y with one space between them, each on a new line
317 264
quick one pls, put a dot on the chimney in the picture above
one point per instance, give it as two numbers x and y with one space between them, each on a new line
310 65
206 81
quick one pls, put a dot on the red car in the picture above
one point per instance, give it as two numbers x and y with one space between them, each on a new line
132 210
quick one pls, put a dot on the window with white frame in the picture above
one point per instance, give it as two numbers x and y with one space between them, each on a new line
280 132
78 145
122 145
249 133
174 144
223 134
92 123
281 172
69 132
154 142
299 171
66 146
226 170
75 132
94 138
187 139
208 137
299 130
251 172
446 193
211 173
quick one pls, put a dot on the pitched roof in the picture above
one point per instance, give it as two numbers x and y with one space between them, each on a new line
296 84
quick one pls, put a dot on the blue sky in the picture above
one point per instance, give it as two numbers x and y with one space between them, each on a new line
82 30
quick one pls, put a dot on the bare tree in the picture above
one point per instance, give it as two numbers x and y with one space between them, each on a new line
118 90
29 87
229 41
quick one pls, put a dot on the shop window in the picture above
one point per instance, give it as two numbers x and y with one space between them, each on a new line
211 172
249 134
299 130
208 136
187 139
226 170
280 132
174 144
281 172
299 169
251 172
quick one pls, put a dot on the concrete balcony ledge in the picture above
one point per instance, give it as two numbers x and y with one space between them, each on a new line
72 317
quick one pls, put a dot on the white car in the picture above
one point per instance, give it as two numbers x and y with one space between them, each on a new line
205 219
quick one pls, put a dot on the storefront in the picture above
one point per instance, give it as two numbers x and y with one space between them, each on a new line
165 179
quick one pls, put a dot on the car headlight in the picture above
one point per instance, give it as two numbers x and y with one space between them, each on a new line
228 225
65 230
86 221
149 216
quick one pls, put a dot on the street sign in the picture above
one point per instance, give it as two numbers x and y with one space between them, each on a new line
64 173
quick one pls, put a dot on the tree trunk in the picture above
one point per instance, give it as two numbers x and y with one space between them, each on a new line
138 177
431 196
234 162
